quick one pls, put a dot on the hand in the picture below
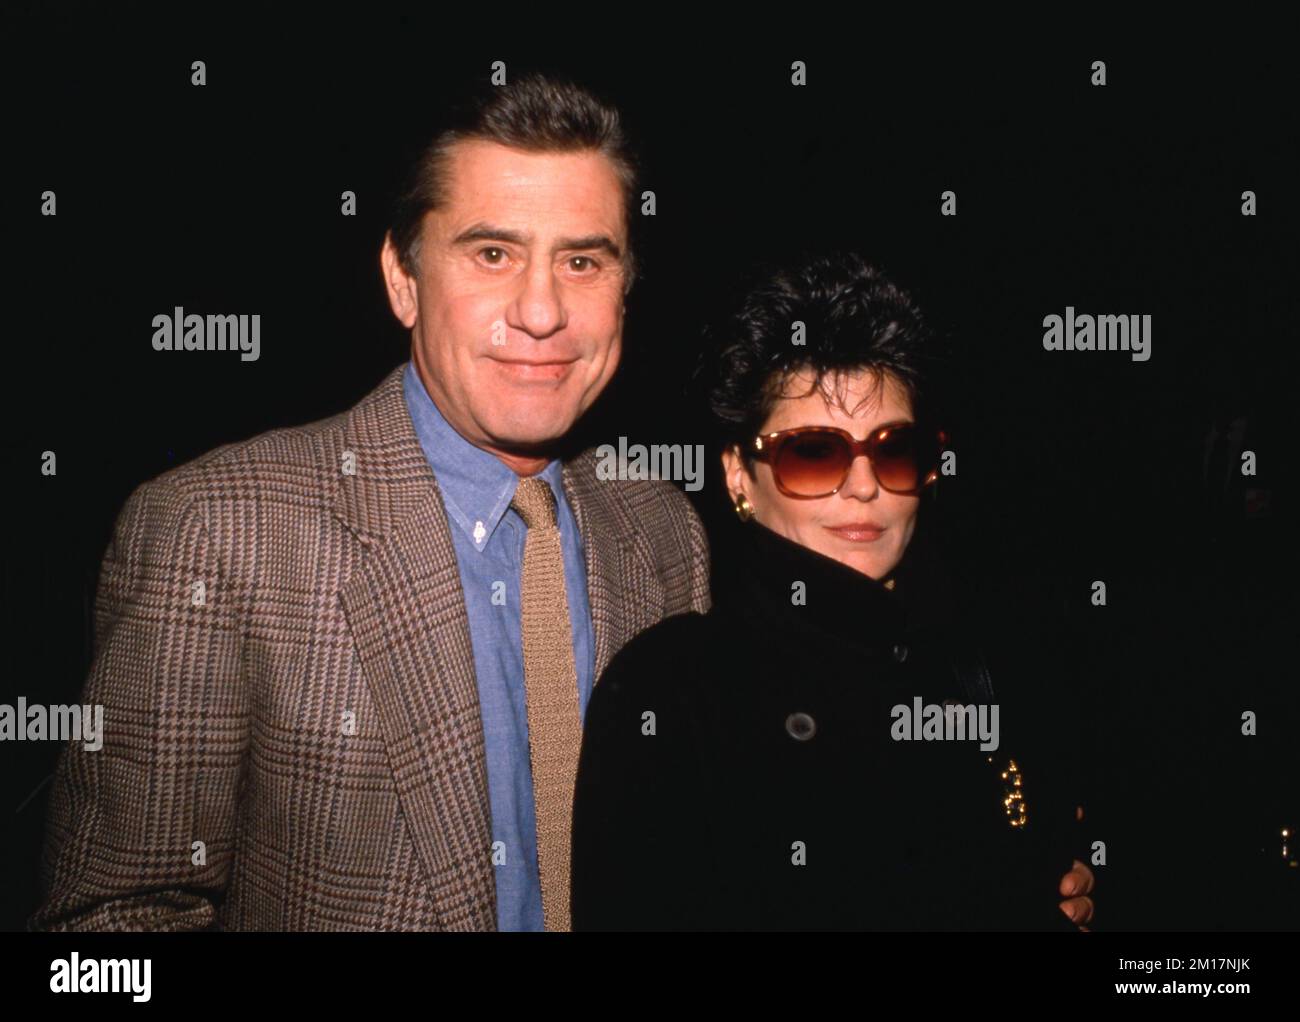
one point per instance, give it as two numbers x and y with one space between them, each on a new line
1075 886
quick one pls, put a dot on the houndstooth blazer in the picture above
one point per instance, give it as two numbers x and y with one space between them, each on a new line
292 737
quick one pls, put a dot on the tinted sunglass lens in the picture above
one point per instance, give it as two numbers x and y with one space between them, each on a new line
901 460
812 465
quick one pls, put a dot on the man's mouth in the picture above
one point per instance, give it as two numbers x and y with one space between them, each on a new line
535 370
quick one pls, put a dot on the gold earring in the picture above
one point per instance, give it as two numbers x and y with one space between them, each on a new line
744 509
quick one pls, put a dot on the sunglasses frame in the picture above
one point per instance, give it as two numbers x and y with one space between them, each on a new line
767 448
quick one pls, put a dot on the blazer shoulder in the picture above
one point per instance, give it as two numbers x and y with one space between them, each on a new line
284 448
654 514
634 494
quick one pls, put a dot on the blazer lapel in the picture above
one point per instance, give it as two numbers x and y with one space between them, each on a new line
605 537
406 610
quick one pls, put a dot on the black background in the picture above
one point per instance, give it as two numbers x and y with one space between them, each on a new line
1073 466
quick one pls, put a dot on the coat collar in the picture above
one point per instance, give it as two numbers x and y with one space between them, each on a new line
406 611
839 602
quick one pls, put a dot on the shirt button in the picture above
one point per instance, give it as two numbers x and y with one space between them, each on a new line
479 532
900 652
800 726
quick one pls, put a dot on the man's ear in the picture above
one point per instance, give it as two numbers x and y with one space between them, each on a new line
402 296
735 474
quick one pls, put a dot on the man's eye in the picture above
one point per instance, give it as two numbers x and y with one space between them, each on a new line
587 262
491 254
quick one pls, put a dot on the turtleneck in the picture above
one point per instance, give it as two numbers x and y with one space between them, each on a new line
834 598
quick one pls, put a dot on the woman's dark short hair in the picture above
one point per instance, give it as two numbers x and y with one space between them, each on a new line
534 112
854 318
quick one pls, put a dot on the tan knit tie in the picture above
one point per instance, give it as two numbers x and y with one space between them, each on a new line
551 686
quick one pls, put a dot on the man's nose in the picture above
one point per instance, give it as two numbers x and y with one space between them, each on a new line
537 308
861 482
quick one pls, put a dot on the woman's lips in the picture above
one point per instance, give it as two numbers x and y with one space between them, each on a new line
858 532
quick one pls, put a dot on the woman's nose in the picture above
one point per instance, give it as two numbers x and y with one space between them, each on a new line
861 481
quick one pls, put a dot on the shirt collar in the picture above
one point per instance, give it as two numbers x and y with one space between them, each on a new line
476 486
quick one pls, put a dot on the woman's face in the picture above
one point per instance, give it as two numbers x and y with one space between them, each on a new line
863 525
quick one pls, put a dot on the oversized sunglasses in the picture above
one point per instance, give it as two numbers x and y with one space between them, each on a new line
814 461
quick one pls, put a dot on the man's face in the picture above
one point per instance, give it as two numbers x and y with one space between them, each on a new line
517 312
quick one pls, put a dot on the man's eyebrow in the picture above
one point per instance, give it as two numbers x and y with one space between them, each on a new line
600 241
488 232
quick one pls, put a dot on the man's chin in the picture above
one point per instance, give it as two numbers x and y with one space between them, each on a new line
532 438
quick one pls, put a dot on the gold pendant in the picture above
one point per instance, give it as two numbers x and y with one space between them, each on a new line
1013 794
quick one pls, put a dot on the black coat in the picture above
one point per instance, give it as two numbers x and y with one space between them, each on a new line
771 794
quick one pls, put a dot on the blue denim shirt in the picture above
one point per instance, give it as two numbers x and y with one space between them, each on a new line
489 540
